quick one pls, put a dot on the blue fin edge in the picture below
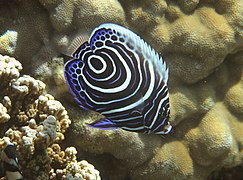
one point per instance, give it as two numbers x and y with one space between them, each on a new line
103 124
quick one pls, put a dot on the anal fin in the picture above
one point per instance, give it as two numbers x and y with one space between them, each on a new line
103 124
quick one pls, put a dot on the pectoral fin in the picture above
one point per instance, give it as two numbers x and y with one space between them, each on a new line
103 124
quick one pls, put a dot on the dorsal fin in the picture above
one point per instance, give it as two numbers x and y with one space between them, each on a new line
77 41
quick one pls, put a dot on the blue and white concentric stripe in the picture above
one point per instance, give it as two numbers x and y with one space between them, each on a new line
119 75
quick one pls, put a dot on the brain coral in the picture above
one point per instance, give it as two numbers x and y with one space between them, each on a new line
202 43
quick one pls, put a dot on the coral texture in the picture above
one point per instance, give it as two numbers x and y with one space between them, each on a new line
34 121
73 168
9 70
4 116
8 42
202 43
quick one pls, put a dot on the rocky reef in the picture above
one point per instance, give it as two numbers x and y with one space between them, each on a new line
202 43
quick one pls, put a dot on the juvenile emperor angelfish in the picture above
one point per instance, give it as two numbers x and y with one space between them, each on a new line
117 74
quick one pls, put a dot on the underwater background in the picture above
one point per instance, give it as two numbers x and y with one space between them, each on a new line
202 44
